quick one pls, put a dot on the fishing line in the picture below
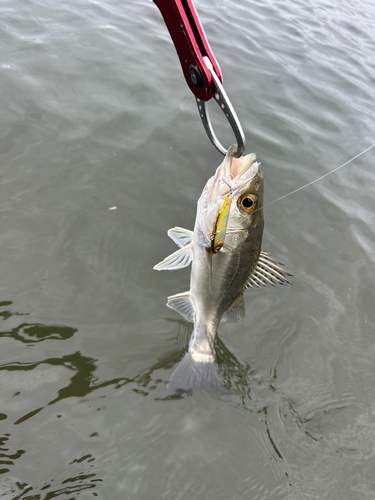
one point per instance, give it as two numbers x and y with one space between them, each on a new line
319 178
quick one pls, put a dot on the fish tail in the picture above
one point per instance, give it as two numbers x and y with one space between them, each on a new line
192 375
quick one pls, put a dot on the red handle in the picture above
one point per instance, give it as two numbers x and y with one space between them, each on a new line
191 45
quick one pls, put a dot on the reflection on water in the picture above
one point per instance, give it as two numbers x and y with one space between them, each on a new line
30 333
238 376
11 489
8 458
79 385
281 418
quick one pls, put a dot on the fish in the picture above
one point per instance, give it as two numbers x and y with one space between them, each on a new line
232 201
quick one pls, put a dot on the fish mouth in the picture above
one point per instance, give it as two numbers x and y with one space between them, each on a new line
237 173
233 174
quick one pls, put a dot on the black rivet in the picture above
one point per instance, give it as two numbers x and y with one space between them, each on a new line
195 77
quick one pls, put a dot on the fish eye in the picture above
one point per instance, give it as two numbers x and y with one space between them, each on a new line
248 203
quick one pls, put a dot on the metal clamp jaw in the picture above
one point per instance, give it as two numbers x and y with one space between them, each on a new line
200 68
226 107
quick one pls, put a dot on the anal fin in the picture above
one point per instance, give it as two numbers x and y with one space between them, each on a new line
182 304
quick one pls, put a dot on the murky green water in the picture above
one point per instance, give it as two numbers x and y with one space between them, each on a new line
95 114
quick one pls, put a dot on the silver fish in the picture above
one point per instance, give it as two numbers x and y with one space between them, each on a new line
218 279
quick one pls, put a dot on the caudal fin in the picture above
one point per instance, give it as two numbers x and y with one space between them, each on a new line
191 375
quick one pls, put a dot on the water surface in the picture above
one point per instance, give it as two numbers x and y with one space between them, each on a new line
95 114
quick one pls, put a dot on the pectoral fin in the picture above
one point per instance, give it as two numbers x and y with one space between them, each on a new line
177 260
235 312
182 237
182 304
267 272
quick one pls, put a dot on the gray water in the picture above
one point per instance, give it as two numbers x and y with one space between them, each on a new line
95 114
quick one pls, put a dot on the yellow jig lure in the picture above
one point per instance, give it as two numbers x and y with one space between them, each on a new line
220 227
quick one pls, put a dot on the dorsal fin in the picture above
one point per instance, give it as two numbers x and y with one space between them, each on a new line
267 272
182 304
181 236
235 312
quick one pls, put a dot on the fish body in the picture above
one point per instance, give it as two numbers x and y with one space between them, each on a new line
218 278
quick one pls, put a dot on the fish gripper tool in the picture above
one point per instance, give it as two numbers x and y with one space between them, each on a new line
201 70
